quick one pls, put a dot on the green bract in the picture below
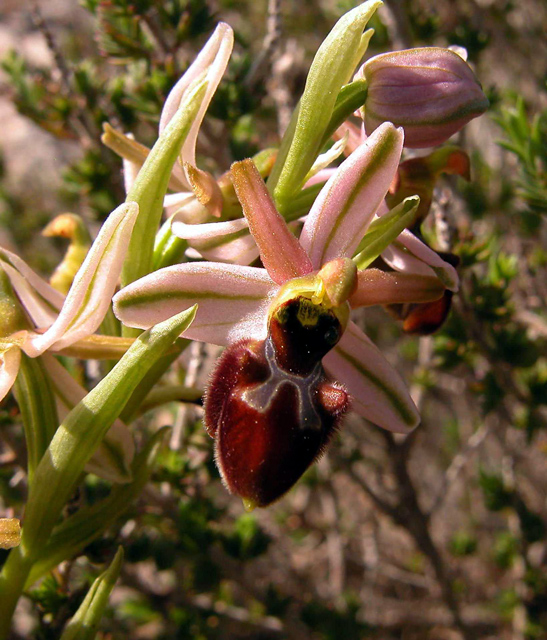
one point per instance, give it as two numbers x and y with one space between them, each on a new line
332 67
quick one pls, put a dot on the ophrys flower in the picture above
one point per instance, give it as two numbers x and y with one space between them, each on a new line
294 359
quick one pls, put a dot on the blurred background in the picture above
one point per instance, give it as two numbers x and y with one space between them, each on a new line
437 536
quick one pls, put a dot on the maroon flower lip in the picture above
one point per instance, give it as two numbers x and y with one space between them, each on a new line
270 406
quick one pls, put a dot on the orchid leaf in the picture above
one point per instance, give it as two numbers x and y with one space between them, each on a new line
151 184
352 96
86 425
384 230
151 378
79 530
36 401
112 459
332 67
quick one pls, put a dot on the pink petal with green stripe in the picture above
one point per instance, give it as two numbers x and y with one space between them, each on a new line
232 300
89 297
408 254
378 392
212 60
280 251
345 206
229 241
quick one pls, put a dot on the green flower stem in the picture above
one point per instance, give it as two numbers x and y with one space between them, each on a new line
85 622
36 401
301 205
71 448
151 185
168 249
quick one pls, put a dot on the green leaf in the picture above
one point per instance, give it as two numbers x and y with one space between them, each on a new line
89 523
72 446
151 185
351 97
36 401
332 67
383 231
85 622
86 425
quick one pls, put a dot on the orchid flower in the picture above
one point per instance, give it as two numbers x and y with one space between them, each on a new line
54 323
284 322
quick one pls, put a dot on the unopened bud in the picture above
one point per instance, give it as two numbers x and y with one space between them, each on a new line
10 533
431 92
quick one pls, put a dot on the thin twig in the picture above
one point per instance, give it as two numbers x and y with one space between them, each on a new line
262 65
457 465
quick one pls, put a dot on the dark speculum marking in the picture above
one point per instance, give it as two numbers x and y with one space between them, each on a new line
270 406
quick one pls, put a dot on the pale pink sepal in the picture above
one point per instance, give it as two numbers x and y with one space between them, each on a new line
320 176
280 251
41 301
356 135
212 60
89 296
130 171
173 203
413 256
345 206
112 459
332 154
232 300
378 393
9 368
41 312
228 241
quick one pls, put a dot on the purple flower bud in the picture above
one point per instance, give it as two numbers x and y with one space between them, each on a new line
430 91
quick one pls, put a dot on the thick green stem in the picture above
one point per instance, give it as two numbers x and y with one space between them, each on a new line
12 581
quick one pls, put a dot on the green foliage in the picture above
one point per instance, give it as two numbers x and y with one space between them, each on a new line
330 623
506 548
527 140
247 540
495 493
463 543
